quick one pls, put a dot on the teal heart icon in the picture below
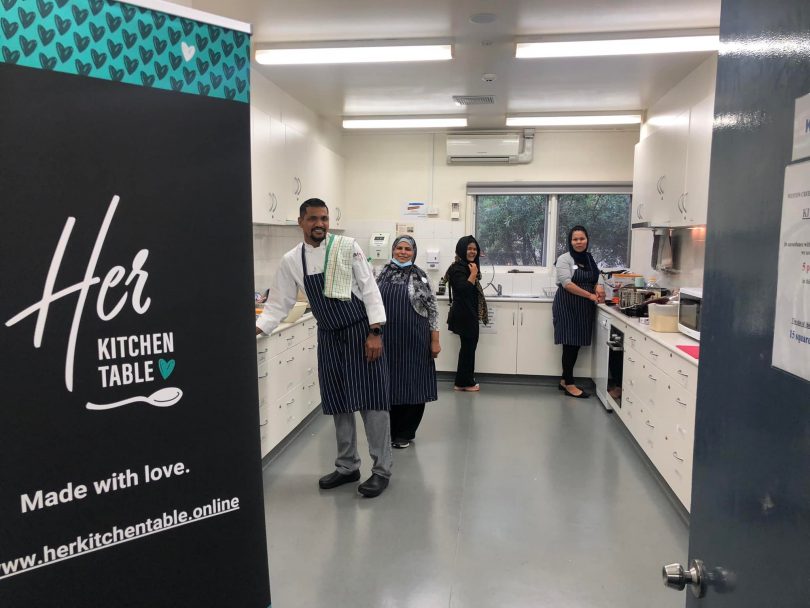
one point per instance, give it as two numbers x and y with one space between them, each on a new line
166 367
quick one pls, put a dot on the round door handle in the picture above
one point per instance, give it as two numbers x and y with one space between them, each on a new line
677 577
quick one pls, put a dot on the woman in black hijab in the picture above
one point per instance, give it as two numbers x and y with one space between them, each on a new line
574 309
467 307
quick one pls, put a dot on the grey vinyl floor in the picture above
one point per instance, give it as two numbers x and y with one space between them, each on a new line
513 497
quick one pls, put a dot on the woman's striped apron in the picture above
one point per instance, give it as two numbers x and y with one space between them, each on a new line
574 315
407 345
348 383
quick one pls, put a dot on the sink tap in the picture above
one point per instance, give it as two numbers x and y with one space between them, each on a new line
499 289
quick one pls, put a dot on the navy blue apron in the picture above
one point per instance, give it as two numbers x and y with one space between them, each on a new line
574 315
407 346
348 383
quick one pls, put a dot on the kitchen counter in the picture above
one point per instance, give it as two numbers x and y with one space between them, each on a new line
668 340
539 299
283 326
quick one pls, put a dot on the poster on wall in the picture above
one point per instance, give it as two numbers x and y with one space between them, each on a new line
791 333
130 469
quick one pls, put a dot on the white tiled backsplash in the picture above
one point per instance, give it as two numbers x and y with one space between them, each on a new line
270 243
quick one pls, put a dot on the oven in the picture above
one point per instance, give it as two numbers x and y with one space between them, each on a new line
608 362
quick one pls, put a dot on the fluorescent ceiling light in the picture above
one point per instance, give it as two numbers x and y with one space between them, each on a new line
355 54
403 123
634 46
572 121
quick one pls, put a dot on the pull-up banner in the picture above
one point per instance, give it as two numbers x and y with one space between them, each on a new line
130 469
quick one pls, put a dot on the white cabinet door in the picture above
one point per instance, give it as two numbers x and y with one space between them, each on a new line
497 343
536 353
330 174
261 197
447 361
298 158
698 158
642 196
276 174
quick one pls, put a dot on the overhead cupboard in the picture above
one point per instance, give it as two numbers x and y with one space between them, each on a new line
671 164
287 168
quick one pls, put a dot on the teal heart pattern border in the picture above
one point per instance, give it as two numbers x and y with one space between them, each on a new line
115 41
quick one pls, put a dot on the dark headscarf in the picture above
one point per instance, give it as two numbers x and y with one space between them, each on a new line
582 259
413 276
461 253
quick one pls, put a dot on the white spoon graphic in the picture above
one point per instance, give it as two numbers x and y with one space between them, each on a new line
163 397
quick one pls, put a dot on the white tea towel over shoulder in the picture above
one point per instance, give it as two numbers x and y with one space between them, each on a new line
337 268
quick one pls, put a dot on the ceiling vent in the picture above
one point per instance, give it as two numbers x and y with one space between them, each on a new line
474 100
494 148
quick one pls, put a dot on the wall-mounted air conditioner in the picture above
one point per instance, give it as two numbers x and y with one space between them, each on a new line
507 148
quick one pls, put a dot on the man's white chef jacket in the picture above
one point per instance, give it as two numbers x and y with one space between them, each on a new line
290 278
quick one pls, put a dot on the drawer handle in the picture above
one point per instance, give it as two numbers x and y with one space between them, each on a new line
264 375
680 373
312 347
629 400
261 352
631 360
291 401
653 378
291 359
653 353
647 422
632 339
264 423
290 339
311 385
679 402
675 455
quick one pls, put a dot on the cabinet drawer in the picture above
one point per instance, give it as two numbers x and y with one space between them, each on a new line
676 469
634 340
682 372
632 370
648 433
655 353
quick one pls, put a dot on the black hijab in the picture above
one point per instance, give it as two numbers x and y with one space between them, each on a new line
461 253
582 259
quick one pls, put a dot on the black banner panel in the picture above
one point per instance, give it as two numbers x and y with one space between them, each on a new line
130 470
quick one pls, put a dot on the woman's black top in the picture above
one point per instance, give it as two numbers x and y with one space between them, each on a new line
464 309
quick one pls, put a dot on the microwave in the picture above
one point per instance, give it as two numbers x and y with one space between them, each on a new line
689 311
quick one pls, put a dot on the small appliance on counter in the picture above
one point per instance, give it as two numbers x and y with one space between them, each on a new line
689 311
634 301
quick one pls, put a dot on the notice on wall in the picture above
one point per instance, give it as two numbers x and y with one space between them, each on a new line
414 209
791 334
130 467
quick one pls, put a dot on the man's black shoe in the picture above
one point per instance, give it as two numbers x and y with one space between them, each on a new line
373 486
336 478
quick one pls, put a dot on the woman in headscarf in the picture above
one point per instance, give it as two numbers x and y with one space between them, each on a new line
411 339
574 310
467 307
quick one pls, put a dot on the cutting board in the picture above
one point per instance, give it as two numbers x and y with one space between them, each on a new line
692 351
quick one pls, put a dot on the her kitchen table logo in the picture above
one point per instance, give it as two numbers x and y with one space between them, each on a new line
114 369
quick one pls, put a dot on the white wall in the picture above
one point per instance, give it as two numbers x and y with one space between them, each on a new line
384 171
688 244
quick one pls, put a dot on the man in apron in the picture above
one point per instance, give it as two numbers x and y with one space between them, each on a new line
352 371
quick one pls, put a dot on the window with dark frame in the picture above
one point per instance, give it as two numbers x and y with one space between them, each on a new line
515 229
512 228
606 217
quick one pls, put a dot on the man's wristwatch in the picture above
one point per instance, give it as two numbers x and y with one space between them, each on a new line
375 331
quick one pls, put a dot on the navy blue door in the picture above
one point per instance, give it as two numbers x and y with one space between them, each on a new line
751 481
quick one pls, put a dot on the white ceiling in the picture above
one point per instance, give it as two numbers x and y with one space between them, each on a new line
522 86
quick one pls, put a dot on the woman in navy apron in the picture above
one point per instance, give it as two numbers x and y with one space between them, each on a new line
411 339
574 308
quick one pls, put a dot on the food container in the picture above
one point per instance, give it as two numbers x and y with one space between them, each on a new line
664 317
296 312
